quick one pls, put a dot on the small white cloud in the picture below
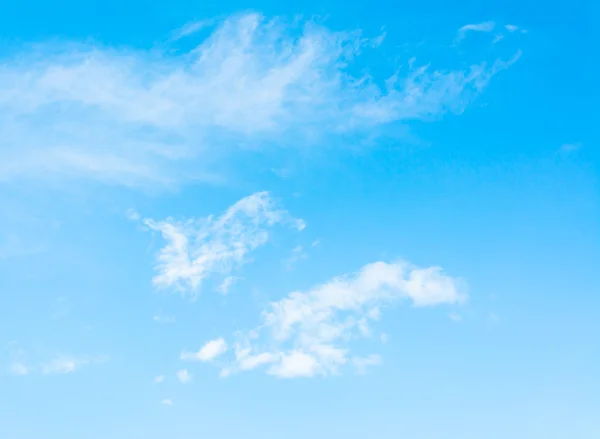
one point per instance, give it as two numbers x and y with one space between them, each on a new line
226 284
295 364
363 363
159 379
455 317
199 248
132 214
309 333
64 364
511 27
487 26
183 376
167 402
20 369
208 352
158 318
282 173
191 28
298 254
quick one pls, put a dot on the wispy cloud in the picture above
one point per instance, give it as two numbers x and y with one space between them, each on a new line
363 363
199 248
298 254
208 352
191 28
134 117
64 364
159 318
570 147
226 284
310 333
60 364
132 214
19 369
486 26
455 317
159 379
183 376
167 402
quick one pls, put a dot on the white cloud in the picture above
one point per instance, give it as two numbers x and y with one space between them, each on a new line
27 363
159 379
132 214
208 352
64 364
362 363
183 376
19 369
226 284
298 254
511 27
455 317
135 117
310 333
159 318
191 28
167 402
296 364
199 248
486 26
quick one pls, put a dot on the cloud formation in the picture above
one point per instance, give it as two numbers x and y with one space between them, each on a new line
310 333
208 352
61 364
183 376
134 117
199 248
486 26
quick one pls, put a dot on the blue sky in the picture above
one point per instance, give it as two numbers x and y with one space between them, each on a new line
328 220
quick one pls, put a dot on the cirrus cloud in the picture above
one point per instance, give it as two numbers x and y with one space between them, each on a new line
135 117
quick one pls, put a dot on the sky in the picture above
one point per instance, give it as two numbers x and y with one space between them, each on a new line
333 219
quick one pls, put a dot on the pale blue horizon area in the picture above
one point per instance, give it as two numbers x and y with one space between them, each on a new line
120 121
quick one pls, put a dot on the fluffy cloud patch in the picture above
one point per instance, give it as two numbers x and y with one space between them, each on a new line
199 248
310 333
135 117
208 352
